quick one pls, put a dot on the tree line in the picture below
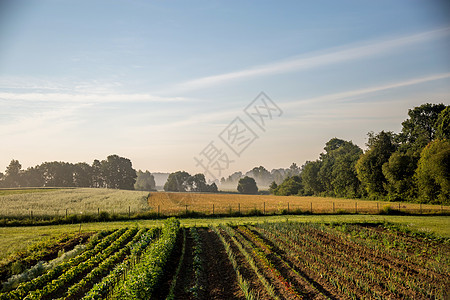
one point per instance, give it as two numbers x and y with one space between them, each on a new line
413 165
114 172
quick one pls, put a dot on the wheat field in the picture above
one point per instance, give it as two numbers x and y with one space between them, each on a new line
75 201
176 203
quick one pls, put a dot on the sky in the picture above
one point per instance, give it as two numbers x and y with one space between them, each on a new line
212 86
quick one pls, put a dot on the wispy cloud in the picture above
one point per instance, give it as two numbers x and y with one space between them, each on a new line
350 95
86 97
330 56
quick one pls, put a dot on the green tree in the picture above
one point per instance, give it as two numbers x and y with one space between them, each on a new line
272 187
197 183
261 175
57 174
32 177
247 185
82 175
13 174
399 171
433 173
310 178
98 179
420 128
212 188
290 186
293 170
144 181
443 124
345 180
118 173
370 165
177 182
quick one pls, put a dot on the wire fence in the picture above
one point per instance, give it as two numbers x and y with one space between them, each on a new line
232 209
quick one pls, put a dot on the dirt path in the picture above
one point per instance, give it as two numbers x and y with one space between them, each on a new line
221 282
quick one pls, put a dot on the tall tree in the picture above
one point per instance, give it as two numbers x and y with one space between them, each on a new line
177 182
247 185
369 166
32 177
261 175
196 183
399 172
13 174
144 181
290 186
433 173
82 175
118 172
57 174
420 128
98 179
310 178
443 124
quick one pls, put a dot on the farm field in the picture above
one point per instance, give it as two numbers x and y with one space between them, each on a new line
13 239
209 204
269 260
90 202
55 202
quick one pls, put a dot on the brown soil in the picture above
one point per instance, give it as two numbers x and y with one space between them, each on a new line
221 281
185 278
304 284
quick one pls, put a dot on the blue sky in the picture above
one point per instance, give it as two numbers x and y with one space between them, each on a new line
157 81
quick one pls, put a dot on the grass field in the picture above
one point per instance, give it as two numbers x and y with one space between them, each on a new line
6 192
55 202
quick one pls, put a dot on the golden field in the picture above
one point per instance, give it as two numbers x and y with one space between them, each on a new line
168 203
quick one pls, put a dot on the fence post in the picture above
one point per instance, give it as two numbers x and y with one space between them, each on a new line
356 207
31 214
264 207
378 207
66 213
311 207
213 210
98 211
186 209
129 212
420 208
288 207
239 208
333 207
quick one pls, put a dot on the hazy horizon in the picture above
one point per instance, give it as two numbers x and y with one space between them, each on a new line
157 82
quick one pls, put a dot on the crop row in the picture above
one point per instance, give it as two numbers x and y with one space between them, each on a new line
42 251
69 276
96 244
350 268
101 289
145 276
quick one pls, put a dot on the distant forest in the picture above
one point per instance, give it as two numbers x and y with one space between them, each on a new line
413 165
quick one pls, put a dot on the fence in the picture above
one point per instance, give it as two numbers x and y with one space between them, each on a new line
233 209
